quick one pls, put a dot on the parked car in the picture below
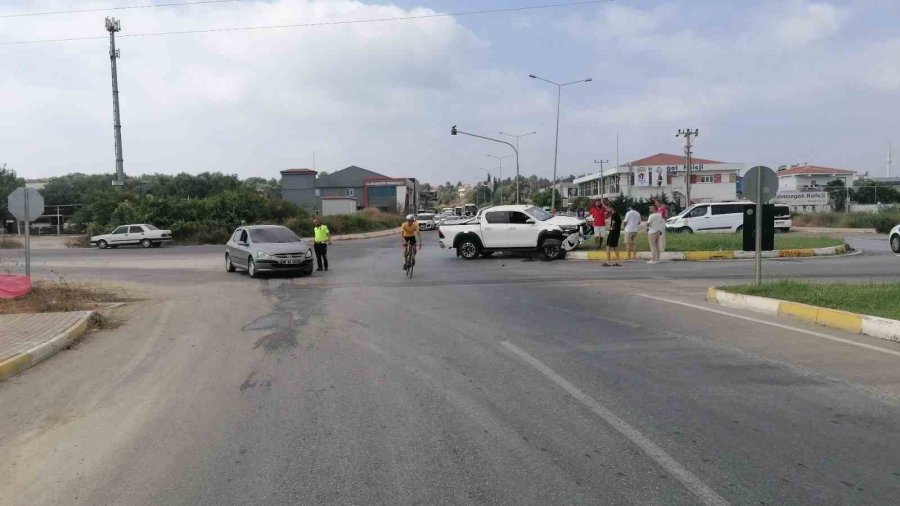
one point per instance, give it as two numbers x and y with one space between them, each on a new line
426 221
721 217
511 228
268 248
146 235
895 239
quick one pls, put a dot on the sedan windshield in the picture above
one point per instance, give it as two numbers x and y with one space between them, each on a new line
539 213
274 234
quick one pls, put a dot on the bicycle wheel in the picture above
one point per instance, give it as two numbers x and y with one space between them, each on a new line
410 262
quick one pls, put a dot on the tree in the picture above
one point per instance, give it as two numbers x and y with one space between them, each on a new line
837 194
866 191
8 182
543 197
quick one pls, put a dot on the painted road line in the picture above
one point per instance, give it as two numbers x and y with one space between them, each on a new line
703 492
773 324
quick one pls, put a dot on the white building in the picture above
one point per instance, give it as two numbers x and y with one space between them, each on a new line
712 181
802 187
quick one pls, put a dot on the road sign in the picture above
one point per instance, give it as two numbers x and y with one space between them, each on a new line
769 186
16 202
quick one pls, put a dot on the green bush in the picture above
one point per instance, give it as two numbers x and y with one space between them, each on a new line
367 220
881 221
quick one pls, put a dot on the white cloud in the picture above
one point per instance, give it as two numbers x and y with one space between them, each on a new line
809 22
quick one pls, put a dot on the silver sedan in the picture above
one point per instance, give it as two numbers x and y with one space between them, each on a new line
268 248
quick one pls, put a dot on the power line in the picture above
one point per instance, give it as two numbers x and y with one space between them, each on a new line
317 24
122 8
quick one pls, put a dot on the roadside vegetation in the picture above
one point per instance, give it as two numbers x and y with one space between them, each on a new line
882 222
47 297
726 242
10 243
199 209
875 299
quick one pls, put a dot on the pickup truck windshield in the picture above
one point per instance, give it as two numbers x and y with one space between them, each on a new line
539 213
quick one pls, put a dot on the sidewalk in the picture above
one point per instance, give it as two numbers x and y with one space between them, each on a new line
26 339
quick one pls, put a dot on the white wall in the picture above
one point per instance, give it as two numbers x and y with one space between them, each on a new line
338 206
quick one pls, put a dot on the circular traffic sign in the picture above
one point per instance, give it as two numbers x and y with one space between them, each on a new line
768 188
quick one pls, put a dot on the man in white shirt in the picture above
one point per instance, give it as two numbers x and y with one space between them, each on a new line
630 227
656 227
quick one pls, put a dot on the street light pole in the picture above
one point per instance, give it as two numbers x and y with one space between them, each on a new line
559 87
455 131
601 162
517 137
500 159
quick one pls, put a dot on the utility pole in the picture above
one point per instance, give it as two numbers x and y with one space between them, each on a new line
113 26
889 161
601 162
688 135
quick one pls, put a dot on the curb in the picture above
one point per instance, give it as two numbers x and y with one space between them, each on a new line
18 363
883 328
700 256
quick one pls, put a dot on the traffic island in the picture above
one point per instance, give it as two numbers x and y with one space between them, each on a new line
871 309
47 320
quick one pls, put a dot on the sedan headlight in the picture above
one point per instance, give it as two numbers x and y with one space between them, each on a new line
309 253
262 255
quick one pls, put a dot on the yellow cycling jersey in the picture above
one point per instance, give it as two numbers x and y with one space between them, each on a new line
409 229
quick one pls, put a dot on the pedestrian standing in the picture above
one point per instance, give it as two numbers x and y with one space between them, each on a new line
614 229
655 228
599 215
631 223
662 209
321 240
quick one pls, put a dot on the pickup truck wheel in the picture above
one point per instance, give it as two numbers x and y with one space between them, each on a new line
146 243
101 244
552 249
469 249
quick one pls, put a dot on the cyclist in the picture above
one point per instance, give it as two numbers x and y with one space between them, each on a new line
409 230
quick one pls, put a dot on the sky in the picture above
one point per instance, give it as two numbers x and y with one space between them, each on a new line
765 82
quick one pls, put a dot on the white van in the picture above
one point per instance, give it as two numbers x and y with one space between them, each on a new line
721 217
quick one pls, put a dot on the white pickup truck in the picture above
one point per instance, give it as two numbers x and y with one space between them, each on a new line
513 228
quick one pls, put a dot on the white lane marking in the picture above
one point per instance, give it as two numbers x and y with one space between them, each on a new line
691 482
773 324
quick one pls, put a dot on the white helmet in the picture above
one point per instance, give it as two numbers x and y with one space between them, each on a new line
410 217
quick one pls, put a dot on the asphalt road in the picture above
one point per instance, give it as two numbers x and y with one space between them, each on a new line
500 381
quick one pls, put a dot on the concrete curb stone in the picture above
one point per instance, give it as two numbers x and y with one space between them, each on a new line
883 328
21 361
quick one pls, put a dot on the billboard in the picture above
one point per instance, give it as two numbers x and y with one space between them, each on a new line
801 198
643 177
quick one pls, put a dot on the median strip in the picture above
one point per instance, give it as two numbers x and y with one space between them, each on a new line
857 323
701 256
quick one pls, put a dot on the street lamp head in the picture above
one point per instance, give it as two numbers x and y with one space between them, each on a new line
589 79
532 76
453 130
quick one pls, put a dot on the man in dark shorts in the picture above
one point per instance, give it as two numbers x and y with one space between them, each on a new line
409 230
614 229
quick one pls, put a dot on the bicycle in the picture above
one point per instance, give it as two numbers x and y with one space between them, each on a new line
409 258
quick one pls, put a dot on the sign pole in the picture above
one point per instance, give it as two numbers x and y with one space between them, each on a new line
759 213
27 240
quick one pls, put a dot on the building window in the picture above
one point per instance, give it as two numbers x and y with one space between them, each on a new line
706 179
351 192
318 192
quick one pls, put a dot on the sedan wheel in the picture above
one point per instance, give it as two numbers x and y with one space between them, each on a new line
102 244
229 267
146 243
251 268
895 243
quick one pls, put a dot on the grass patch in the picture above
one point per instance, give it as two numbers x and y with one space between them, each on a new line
727 242
10 243
55 297
882 221
81 241
874 299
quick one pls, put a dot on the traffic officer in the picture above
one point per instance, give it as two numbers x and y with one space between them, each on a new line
321 241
